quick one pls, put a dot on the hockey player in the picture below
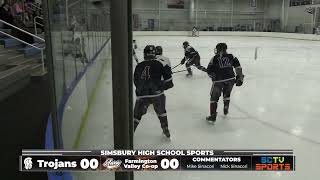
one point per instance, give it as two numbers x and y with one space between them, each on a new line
194 32
135 46
164 60
221 71
192 57
150 88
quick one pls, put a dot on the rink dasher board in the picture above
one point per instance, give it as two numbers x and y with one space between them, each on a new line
158 160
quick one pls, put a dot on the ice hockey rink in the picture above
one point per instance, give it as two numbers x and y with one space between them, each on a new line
276 108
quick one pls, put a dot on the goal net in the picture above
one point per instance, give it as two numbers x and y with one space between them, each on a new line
194 33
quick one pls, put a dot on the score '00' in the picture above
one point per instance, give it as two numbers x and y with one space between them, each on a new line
172 163
92 163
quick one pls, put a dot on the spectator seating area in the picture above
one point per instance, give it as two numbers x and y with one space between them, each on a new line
20 52
300 2
271 26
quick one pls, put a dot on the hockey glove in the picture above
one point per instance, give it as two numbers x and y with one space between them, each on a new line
183 61
239 80
167 85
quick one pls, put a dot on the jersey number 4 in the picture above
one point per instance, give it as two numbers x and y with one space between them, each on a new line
146 73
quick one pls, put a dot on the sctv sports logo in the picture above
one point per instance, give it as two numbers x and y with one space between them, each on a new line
273 164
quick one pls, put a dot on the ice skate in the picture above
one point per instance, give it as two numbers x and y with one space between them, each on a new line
188 75
212 119
166 132
226 106
226 109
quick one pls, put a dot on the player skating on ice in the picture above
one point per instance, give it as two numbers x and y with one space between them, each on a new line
152 78
163 59
191 57
221 71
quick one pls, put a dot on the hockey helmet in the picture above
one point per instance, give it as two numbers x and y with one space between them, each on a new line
185 44
221 47
159 50
149 52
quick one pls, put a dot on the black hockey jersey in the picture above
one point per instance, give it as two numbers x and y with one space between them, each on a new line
151 78
220 68
190 52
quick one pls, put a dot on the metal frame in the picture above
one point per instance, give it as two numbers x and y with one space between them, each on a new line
121 38
130 84
36 6
22 30
40 48
67 6
74 3
35 24
39 8
57 138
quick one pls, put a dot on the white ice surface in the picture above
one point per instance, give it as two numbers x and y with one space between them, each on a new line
276 108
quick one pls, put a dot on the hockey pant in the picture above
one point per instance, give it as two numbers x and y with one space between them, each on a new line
194 61
159 104
217 88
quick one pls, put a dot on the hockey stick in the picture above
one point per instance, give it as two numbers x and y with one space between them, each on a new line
136 58
176 66
178 71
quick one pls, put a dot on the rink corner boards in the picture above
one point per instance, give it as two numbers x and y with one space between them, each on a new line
157 160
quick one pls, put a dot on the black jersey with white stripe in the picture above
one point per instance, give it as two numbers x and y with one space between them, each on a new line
151 78
222 67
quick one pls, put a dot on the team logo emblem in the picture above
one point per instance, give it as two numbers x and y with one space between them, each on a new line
28 163
111 164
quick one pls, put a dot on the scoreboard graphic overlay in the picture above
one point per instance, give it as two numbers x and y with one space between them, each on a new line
158 160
